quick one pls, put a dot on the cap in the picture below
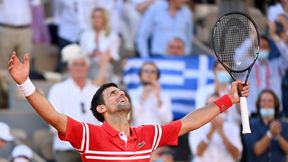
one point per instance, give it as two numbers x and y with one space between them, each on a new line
5 132
22 150
71 52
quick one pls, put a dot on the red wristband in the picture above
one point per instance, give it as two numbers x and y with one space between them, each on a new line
223 103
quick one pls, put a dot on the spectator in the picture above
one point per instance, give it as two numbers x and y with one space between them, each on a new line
21 153
163 21
267 72
218 88
217 141
15 29
150 104
100 41
132 16
72 17
5 135
269 138
72 97
176 47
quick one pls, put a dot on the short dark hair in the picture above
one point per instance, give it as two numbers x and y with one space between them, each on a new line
99 100
276 102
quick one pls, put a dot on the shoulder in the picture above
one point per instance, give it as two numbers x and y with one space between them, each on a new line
60 85
87 33
186 10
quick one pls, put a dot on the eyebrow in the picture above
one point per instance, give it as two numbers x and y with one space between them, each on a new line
112 92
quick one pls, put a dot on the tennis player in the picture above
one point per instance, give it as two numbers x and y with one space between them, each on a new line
115 140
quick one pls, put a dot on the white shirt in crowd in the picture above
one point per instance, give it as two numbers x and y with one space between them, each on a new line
67 98
149 112
16 12
204 92
216 151
274 11
109 42
73 17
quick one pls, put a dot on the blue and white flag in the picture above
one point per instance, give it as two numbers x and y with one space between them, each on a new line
180 78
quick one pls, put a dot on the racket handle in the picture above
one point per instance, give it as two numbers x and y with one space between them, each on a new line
244 115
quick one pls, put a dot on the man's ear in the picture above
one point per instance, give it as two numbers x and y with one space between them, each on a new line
101 108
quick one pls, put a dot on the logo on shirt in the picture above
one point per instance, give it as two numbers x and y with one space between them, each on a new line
141 144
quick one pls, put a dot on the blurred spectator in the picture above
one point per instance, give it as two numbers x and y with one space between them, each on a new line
150 104
72 17
15 29
72 97
217 141
267 72
274 11
220 87
163 21
132 16
114 9
5 134
21 153
162 154
176 47
99 41
269 138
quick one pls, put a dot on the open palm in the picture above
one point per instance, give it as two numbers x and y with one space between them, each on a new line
19 71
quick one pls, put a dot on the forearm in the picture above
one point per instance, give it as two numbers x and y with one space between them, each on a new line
235 153
283 143
204 143
198 118
47 112
262 145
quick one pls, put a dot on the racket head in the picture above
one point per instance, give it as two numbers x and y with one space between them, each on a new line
235 41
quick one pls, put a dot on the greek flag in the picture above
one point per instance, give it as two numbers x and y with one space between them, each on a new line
180 78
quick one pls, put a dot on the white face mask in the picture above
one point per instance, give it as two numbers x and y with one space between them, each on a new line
267 112
263 54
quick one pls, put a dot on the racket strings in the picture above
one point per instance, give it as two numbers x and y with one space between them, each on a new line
235 42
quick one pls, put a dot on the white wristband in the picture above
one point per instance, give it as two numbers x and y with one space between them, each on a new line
27 87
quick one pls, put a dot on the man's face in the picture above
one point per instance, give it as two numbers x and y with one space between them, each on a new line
78 69
2 143
176 48
116 100
148 74
264 44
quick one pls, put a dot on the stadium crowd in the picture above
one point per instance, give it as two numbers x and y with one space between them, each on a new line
77 45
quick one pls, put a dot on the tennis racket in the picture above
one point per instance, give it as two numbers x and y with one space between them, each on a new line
235 40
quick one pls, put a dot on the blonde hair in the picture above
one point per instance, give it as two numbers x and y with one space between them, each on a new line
105 19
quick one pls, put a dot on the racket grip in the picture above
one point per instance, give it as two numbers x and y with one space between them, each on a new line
244 116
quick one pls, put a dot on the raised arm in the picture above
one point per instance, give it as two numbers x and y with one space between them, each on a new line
20 72
198 118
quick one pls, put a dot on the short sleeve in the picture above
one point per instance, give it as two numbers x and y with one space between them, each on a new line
169 133
74 134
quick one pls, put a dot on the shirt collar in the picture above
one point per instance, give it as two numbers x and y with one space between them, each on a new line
114 133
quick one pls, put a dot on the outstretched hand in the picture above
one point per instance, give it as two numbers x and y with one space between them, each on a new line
19 71
233 94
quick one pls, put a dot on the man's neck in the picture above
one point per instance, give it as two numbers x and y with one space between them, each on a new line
120 123
172 8
80 82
